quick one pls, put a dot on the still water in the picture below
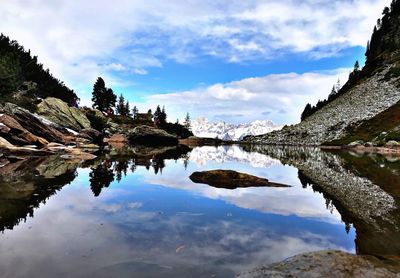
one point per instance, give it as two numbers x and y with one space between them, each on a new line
130 214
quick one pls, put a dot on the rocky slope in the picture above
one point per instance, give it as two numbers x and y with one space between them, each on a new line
364 101
228 132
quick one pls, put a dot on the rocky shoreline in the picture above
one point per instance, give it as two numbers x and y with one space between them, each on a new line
329 263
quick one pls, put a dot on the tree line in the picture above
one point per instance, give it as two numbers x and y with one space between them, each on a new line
17 65
105 100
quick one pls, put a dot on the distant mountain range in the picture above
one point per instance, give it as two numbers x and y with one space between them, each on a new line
225 131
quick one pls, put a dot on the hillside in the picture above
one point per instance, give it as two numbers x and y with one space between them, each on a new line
367 94
23 79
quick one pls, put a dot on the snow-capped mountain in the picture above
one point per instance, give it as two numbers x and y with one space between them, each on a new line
225 131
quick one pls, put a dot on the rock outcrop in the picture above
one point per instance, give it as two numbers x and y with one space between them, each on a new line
17 134
231 179
362 102
326 264
150 136
59 112
6 148
32 123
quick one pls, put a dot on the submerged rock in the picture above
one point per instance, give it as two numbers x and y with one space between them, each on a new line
230 179
326 264
59 112
150 136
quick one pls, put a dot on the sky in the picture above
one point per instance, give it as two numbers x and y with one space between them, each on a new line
231 60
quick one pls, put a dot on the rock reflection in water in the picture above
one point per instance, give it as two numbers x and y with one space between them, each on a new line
27 183
117 218
364 189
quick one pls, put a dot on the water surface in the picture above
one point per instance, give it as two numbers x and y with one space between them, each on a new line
132 215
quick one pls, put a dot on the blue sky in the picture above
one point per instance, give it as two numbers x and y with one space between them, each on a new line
236 61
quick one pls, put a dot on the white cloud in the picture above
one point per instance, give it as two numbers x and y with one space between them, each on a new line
116 67
140 71
279 97
81 40
234 30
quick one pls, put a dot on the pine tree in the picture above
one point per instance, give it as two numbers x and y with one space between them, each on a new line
127 109
135 111
357 66
338 86
121 105
103 98
111 98
333 92
157 116
186 122
163 117
307 111
99 91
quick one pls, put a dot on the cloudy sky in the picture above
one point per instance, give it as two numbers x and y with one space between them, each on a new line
229 60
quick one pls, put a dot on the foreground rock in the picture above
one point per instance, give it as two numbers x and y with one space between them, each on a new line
150 136
230 179
7 149
32 124
326 264
17 134
60 113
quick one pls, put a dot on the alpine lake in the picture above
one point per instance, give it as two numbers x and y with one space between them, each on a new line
136 213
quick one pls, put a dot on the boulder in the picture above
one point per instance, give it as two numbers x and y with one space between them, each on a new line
9 149
77 154
116 141
391 144
356 144
92 135
16 134
231 179
59 112
328 263
150 136
31 123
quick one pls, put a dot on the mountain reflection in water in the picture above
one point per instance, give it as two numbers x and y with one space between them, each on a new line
135 212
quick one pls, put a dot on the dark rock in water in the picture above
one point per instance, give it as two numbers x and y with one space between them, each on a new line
92 135
326 264
31 123
231 180
150 136
199 141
